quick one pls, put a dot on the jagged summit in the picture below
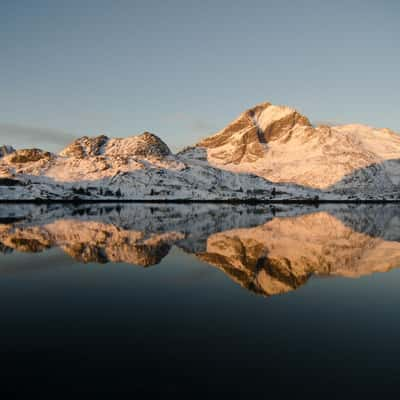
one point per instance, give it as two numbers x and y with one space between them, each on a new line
144 145
244 139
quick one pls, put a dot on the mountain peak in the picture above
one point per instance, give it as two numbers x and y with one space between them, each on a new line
244 139
145 144
275 121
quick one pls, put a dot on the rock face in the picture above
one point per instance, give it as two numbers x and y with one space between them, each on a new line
245 139
85 147
29 156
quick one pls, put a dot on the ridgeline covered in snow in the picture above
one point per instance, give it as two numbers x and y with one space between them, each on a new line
269 153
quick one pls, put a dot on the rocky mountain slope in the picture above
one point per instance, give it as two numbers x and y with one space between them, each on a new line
268 153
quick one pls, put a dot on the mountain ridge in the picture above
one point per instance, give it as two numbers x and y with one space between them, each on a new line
268 152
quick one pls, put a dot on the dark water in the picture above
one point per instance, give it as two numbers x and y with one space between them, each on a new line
200 300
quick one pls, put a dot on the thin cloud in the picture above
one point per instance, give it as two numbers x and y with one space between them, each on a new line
27 136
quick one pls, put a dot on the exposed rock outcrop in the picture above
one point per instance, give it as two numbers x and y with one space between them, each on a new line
29 156
85 147
145 145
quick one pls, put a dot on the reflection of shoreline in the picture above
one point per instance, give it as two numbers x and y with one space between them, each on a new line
263 253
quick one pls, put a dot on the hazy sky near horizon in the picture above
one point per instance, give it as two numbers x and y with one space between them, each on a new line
184 69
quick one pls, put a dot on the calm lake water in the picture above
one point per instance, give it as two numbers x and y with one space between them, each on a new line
200 299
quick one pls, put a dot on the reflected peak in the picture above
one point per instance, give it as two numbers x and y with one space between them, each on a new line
265 253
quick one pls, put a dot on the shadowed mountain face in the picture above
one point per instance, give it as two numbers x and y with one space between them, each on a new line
266 250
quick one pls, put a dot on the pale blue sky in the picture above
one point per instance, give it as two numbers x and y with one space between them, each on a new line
184 69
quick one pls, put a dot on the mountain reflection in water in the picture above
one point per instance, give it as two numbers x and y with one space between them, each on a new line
266 250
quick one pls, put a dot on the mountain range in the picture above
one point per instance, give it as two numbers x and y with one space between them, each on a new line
269 153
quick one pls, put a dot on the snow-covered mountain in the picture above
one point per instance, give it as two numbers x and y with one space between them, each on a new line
281 145
268 153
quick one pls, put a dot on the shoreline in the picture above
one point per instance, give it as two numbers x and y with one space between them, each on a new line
184 201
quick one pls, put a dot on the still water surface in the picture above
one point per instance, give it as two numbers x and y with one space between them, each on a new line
200 299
